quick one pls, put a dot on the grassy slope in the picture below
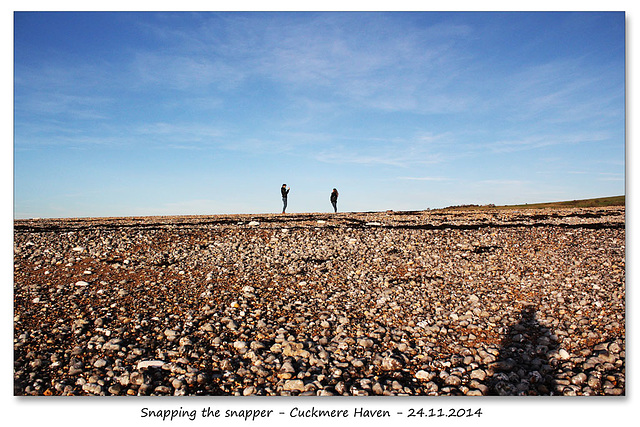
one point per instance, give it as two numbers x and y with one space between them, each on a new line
586 203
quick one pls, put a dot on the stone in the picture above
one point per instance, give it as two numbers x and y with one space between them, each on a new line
391 364
294 385
145 364
240 345
424 375
478 374
100 363
579 379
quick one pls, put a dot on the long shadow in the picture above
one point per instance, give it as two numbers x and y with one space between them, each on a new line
524 366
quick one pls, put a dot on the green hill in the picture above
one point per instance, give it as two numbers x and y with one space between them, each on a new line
584 203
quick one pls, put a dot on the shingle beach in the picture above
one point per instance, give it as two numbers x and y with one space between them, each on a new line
443 302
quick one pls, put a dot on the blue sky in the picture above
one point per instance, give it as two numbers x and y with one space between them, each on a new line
126 114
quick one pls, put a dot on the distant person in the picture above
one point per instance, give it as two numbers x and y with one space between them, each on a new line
334 200
285 191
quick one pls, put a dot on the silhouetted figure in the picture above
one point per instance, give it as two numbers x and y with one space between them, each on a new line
334 200
285 192
523 367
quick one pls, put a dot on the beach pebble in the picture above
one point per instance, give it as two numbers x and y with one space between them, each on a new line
516 302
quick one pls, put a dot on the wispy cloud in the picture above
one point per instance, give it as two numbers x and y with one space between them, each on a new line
611 177
180 131
185 73
503 182
560 91
344 157
544 140
343 60
424 178
58 104
426 149
147 135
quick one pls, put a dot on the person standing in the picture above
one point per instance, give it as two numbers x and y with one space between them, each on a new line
285 192
334 200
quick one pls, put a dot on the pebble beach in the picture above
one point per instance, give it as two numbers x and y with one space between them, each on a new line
486 302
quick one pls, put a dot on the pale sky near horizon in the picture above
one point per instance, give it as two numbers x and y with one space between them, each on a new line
126 114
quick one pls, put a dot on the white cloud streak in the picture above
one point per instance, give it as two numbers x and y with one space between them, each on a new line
423 178
539 141
369 61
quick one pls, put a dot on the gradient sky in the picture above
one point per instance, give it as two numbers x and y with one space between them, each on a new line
127 114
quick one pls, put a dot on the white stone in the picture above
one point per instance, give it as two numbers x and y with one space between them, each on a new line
239 345
170 334
294 385
423 375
